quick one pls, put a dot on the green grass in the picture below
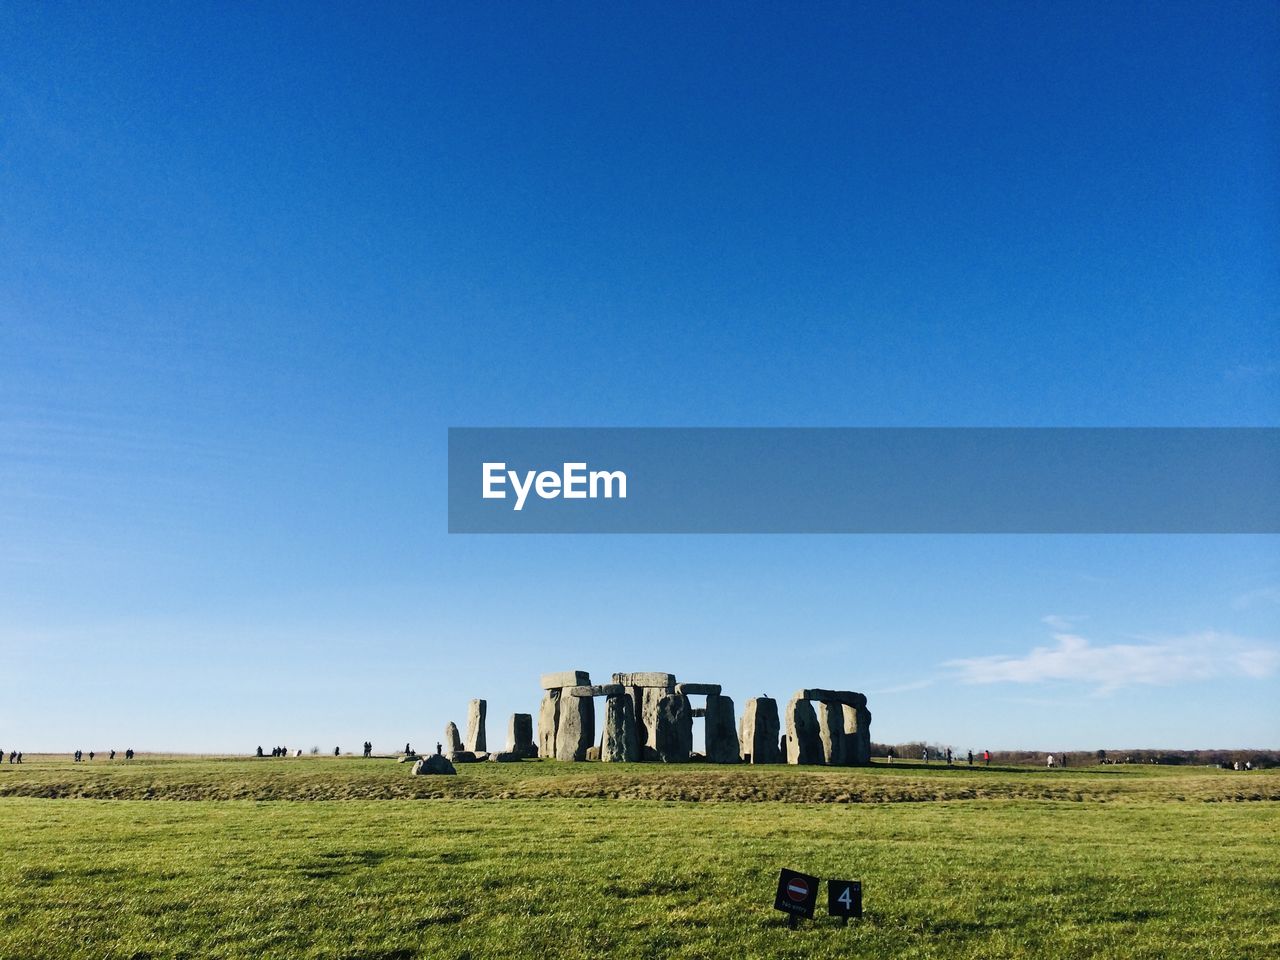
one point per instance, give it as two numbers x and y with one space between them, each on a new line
544 859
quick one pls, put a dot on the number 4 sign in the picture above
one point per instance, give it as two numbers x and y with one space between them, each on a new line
844 898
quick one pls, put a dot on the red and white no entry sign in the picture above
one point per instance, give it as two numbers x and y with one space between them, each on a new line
797 889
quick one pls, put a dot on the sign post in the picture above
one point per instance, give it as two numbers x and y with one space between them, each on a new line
797 895
844 899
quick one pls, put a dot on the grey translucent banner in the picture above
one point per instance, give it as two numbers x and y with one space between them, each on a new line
864 480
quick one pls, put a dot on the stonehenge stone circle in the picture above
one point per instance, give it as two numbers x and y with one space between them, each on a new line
476 711
648 716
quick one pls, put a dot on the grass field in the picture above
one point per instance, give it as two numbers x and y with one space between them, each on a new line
326 857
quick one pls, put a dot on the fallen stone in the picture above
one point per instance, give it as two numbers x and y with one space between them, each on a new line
698 689
409 758
721 731
548 719
566 678
476 711
594 690
619 744
663 681
760 731
673 729
434 764
576 729
505 756
463 756
452 741
803 742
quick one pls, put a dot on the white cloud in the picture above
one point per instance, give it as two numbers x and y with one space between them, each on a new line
1203 656
1060 622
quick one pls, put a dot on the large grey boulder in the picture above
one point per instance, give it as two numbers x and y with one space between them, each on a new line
565 678
452 740
673 729
476 711
804 745
548 719
576 729
760 731
463 756
831 732
434 764
505 756
721 730
520 735
619 745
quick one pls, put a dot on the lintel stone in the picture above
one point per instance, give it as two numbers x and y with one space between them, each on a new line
666 681
565 678
698 689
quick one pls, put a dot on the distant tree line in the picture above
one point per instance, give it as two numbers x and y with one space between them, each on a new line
914 750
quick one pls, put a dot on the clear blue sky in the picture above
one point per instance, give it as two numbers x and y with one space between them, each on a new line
255 259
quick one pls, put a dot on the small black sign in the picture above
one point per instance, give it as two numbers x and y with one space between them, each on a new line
797 894
844 898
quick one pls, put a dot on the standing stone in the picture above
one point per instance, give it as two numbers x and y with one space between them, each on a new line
619 744
647 721
476 711
576 728
520 735
636 696
857 740
721 732
548 720
803 743
760 733
452 741
831 733
673 729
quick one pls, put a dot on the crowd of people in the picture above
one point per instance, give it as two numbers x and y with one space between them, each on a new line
80 755
15 756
